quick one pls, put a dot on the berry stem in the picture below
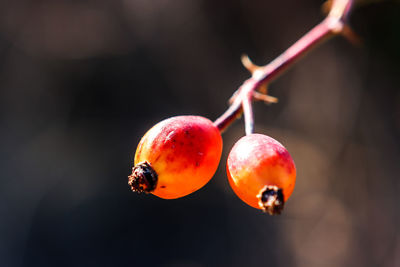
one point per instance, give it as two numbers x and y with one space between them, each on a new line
332 25
248 113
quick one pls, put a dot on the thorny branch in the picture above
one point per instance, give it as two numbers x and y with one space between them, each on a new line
241 101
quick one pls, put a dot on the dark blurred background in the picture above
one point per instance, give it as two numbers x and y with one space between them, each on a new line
82 81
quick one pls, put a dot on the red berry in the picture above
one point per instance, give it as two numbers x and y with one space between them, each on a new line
261 172
176 157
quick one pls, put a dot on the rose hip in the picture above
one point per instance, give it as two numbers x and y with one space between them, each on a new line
261 172
176 157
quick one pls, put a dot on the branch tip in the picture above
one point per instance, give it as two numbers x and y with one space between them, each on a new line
240 102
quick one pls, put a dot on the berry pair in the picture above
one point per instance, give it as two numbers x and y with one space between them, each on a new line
181 154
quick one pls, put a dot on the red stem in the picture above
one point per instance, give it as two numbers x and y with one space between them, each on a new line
330 26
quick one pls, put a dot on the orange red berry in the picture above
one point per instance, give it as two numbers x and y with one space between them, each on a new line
176 157
261 172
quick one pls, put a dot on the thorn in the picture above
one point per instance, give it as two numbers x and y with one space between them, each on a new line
233 97
263 89
266 98
351 36
326 7
248 64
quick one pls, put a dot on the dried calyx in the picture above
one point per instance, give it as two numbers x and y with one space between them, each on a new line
143 178
271 199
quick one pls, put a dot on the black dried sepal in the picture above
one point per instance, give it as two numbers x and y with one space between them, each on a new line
143 178
271 200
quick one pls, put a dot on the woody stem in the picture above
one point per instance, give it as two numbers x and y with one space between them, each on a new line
332 25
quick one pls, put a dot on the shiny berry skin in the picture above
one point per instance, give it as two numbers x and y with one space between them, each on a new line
261 172
176 157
